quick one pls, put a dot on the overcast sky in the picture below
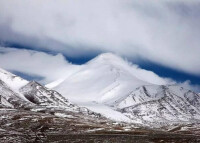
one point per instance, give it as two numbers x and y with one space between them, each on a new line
165 32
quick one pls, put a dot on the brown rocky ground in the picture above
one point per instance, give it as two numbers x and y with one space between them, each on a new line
60 127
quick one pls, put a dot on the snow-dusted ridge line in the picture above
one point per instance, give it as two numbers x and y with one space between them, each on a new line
166 107
44 97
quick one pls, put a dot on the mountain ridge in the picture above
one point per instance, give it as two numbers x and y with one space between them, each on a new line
113 88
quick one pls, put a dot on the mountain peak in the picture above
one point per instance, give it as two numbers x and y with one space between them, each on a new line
108 58
108 55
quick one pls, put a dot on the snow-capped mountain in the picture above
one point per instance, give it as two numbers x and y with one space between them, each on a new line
16 92
31 112
111 86
105 79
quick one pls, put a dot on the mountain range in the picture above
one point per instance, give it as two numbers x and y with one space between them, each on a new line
106 94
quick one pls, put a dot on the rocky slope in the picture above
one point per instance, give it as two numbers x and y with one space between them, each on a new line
161 105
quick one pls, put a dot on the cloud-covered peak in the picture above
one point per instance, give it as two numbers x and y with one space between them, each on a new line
107 58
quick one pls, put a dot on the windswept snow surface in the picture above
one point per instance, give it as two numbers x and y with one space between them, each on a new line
105 111
55 83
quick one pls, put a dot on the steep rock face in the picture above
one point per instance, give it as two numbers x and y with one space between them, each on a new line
40 95
161 104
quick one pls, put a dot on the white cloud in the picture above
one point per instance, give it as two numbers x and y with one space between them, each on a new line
187 85
51 67
166 32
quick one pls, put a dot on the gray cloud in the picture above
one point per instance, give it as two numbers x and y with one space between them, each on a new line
166 32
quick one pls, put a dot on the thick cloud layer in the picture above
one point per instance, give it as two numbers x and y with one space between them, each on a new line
166 32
